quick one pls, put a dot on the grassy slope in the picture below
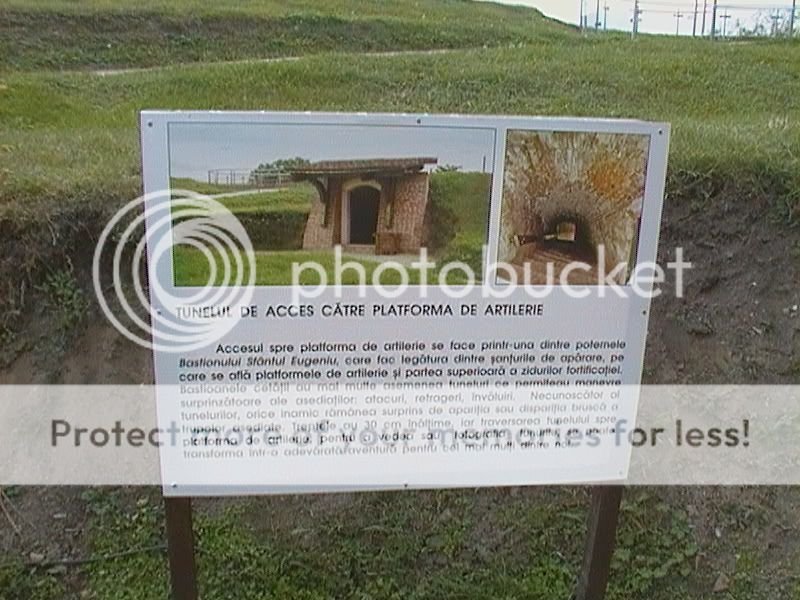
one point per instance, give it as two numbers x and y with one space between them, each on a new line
201 187
296 198
732 105
95 34
467 195
275 268
416 546
438 10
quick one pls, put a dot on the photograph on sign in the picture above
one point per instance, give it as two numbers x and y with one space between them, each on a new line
379 192
572 197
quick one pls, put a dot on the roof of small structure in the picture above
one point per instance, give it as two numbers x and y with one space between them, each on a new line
363 166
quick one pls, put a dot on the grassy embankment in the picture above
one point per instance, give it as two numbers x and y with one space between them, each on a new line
99 34
383 546
69 154
202 187
732 106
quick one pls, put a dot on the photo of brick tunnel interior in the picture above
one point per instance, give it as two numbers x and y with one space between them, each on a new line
571 197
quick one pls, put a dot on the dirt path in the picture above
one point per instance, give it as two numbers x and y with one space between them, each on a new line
276 59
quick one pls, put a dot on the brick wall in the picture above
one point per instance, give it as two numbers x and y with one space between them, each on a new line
410 201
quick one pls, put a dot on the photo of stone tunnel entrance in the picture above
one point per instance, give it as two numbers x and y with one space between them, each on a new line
367 205
571 197
315 196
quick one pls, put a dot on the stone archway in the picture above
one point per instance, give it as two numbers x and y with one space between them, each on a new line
387 217
569 235
363 208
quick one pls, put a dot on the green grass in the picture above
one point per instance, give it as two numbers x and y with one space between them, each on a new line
102 34
466 196
294 198
69 147
733 108
18 581
192 268
389 546
203 187
466 545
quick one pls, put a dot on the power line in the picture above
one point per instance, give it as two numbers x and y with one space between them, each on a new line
775 19
636 18
714 21
725 18
718 12
705 10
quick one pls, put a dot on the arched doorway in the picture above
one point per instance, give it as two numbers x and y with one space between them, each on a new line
362 219
570 236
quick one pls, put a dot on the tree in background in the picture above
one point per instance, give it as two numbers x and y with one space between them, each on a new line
269 172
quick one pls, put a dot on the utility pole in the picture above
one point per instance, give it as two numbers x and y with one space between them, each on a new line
678 16
606 8
694 22
775 19
725 18
597 21
636 12
581 19
705 10
792 18
714 21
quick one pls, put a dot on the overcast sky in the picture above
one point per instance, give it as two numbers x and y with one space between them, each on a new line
658 15
196 148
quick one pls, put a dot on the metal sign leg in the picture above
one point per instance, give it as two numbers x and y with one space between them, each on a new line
180 542
600 540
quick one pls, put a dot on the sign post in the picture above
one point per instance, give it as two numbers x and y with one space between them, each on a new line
180 548
600 541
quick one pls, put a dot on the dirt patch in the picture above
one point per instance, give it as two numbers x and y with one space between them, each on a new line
738 322
49 525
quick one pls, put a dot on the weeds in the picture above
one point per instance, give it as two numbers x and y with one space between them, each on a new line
19 582
392 546
65 302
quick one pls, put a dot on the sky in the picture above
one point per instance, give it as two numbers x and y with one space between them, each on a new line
196 148
658 15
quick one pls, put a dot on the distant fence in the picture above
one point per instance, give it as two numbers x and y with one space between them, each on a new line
241 177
